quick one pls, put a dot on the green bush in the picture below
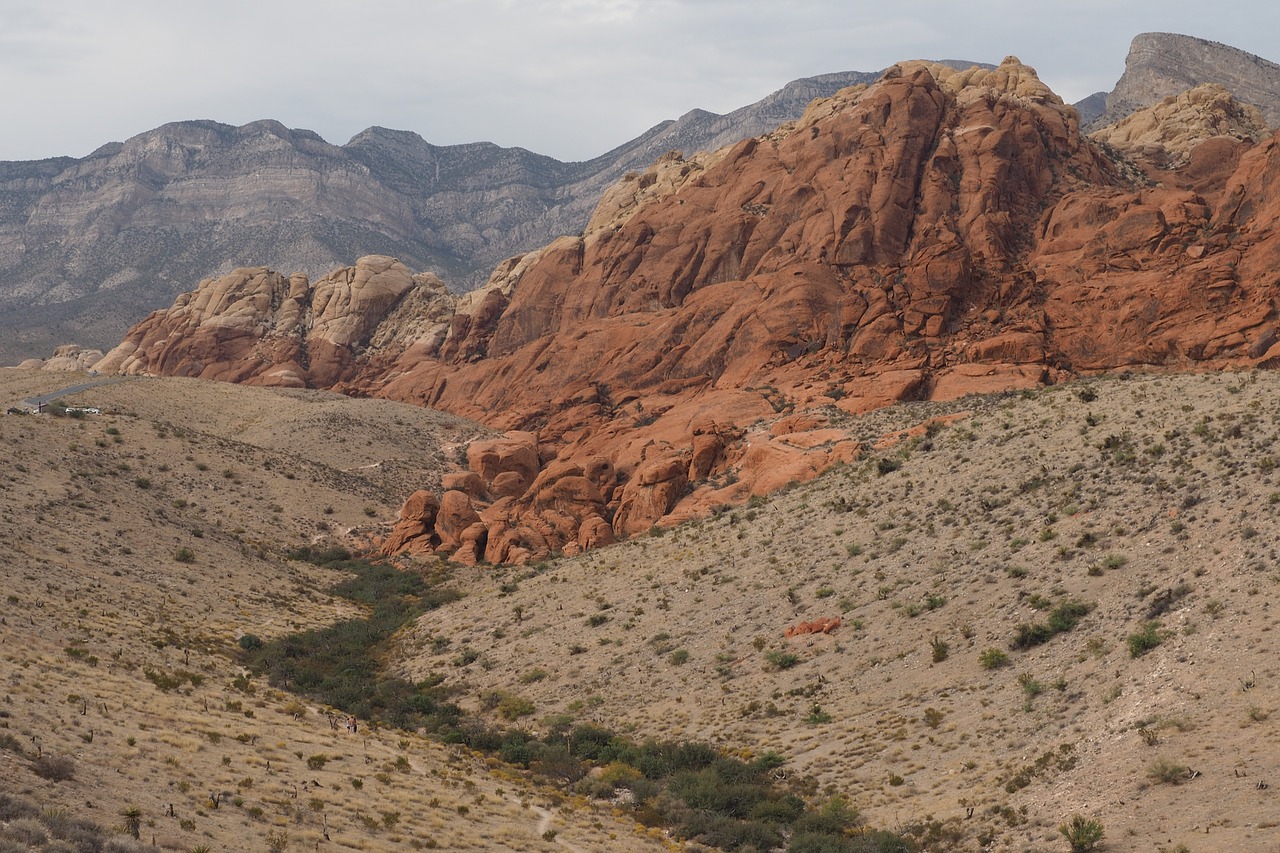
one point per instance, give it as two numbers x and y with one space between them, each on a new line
886 465
512 707
1062 618
993 659
779 659
1082 833
1144 640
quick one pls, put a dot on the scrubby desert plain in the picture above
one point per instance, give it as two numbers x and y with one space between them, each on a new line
139 545
1053 603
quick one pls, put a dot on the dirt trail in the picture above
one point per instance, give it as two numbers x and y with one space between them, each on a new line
544 824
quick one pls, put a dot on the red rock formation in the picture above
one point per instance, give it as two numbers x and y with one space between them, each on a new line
257 327
938 233
454 516
413 533
817 626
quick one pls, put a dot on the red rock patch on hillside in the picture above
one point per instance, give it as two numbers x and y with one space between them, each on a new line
938 233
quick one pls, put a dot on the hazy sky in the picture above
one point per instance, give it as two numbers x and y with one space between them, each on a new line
568 78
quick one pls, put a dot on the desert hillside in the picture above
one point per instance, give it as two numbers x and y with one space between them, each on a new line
141 545
1052 602
1057 604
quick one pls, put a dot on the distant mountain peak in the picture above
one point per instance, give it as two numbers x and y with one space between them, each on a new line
1163 64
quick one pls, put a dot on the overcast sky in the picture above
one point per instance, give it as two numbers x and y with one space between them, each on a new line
568 78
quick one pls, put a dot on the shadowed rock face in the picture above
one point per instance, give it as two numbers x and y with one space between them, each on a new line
937 233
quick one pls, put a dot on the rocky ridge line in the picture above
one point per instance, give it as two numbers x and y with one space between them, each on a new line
1161 65
938 233
88 245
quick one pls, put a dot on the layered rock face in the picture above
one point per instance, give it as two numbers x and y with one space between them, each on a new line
937 233
1161 65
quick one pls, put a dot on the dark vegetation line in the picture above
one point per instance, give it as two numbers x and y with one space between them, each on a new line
689 788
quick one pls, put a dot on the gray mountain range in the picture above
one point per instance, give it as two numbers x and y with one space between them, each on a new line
89 246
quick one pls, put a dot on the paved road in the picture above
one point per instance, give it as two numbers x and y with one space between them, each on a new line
36 402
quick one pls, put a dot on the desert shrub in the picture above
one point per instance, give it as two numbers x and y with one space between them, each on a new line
55 768
1144 640
1082 833
993 659
1166 770
184 555
779 659
250 642
320 556
1062 618
512 707
887 465
27 831
1067 615
1027 635
835 818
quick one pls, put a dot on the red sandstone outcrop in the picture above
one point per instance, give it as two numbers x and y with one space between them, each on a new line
257 327
414 532
817 626
935 234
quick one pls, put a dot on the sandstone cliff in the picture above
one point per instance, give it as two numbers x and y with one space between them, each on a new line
937 233
257 327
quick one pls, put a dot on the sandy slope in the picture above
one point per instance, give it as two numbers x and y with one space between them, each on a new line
1161 492
117 654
